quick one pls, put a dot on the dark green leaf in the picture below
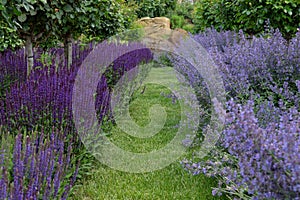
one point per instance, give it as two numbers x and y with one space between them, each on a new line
67 8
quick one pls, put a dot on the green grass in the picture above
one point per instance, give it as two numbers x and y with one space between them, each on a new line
171 182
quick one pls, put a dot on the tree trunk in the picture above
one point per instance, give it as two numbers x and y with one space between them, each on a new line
29 54
68 50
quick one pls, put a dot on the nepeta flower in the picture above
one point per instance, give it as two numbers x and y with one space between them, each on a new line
257 156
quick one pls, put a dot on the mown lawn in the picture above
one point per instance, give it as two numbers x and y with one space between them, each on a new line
171 182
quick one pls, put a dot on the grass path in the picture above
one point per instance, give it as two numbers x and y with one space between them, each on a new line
172 182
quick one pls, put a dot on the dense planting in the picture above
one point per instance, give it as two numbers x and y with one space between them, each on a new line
258 154
47 93
36 104
252 16
44 96
41 167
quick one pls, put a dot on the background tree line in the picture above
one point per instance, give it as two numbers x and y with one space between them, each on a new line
45 23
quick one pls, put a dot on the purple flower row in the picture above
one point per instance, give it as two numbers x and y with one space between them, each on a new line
40 167
253 64
40 162
257 156
47 92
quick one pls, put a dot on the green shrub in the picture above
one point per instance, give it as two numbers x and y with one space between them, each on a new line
210 13
185 9
177 21
155 8
189 28
182 16
252 16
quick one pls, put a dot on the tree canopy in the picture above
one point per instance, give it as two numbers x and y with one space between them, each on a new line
45 21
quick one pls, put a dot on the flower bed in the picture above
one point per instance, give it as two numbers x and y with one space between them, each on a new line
42 164
257 156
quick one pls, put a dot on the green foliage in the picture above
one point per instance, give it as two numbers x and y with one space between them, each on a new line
28 17
8 37
185 9
210 13
48 22
87 163
177 21
252 16
45 59
182 16
6 149
189 28
101 18
155 8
